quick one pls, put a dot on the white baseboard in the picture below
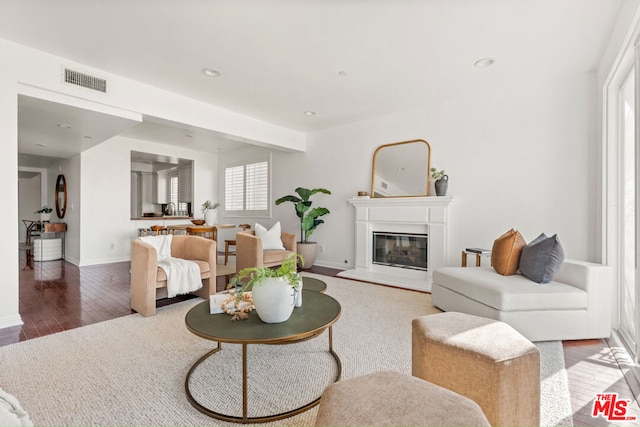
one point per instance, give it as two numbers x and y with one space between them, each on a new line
9 321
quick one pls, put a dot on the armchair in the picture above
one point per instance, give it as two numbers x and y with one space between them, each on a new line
249 252
147 277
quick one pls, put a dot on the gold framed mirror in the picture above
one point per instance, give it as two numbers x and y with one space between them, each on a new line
61 196
401 169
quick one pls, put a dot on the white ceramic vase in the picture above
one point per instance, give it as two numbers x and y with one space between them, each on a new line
45 216
210 217
274 299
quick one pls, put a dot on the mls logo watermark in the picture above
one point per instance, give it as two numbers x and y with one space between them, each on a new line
612 408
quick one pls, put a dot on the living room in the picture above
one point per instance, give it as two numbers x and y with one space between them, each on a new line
521 140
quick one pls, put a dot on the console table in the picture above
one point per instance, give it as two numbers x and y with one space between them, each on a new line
46 239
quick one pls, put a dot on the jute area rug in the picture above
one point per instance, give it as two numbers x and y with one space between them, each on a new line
131 370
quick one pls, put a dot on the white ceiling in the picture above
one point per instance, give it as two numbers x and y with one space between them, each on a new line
280 58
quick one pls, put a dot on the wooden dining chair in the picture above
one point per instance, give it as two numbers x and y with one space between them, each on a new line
232 242
202 231
158 229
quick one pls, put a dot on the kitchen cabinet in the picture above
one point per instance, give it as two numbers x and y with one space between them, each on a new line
160 188
185 184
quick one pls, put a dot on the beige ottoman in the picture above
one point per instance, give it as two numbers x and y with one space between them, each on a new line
483 359
395 399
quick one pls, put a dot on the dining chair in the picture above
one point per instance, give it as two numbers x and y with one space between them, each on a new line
158 229
202 231
232 242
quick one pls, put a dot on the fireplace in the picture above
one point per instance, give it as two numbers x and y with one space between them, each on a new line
401 250
399 241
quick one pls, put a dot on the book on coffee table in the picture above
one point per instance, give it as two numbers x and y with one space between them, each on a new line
479 251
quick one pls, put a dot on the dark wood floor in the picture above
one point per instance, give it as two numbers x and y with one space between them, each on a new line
57 296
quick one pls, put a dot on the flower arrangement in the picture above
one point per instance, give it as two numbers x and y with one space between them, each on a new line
44 209
436 174
209 205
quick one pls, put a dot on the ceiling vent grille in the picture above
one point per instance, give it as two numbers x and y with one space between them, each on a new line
85 80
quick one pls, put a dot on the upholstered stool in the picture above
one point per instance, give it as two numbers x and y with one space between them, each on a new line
483 359
395 399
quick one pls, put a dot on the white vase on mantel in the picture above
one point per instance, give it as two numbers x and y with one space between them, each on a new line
274 299
210 217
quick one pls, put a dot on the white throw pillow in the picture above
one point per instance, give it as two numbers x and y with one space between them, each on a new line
270 238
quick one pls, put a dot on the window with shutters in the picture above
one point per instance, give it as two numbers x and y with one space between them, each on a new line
247 188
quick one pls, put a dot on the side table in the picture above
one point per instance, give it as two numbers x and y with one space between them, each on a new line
477 252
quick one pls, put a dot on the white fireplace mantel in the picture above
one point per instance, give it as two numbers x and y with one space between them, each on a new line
428 215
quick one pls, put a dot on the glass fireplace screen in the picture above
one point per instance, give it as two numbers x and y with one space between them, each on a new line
403 250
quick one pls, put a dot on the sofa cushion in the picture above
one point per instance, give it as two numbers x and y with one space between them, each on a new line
270 238
541 259
274 256
205 269
505 254
11 412
509 293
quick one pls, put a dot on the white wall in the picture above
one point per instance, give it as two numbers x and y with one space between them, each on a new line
28 202
9 315
518 155
28 71
106 227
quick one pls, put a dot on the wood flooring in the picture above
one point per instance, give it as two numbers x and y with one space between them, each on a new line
57 296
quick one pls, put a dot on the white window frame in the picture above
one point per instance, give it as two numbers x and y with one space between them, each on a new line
266 213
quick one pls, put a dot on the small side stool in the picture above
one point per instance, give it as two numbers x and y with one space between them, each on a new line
395 399
478 255
483 359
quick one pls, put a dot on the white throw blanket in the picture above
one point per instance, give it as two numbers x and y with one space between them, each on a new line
183 276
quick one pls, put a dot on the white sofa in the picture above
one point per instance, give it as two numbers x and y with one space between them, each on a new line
575 305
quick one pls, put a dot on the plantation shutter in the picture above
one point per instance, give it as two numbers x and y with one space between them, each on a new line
234 188
257 183
247 188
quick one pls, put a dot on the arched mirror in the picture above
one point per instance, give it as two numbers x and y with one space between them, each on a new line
401 169
61 196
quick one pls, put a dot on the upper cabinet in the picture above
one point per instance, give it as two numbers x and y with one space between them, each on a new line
185 183
161 187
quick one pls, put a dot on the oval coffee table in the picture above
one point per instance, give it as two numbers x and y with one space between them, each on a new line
318 313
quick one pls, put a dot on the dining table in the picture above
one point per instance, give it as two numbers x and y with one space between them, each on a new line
182 228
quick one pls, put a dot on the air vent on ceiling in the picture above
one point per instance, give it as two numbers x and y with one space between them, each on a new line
85 80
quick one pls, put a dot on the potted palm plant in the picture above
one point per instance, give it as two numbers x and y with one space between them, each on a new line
274 290
309 220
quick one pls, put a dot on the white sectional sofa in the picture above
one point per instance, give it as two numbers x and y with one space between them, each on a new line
575 305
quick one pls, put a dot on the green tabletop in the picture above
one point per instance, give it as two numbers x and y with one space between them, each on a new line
311 284
318 312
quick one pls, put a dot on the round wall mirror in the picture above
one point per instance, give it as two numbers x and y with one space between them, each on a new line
61 196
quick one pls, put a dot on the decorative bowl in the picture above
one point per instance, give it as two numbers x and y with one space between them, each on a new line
198 221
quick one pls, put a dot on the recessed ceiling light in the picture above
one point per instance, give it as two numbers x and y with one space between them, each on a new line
484 62
63 126
310 113
87 137
400 168
343 73
41 145
210 72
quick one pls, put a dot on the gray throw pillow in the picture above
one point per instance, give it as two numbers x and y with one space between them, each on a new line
541 259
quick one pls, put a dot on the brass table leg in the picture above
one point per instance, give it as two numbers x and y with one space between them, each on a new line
245 418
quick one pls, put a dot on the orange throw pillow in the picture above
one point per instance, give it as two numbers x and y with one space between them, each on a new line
505 255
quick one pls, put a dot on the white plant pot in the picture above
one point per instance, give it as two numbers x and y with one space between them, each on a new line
210 217
274 299
45 216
